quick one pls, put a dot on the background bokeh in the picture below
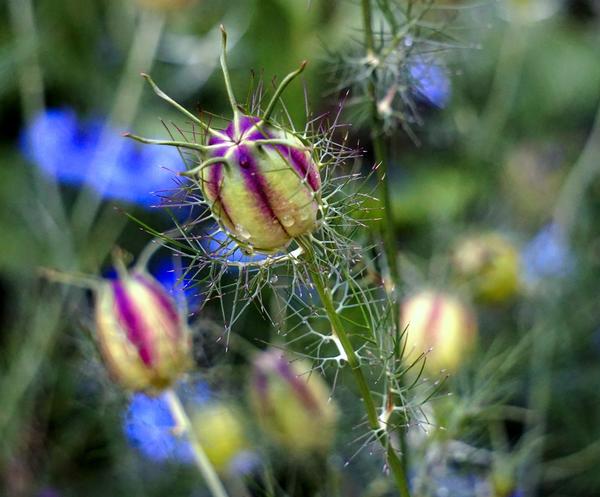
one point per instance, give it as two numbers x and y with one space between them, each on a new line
502 135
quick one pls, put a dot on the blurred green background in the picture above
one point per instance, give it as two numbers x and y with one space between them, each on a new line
505 139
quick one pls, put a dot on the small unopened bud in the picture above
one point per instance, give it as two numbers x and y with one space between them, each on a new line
490 264
220 431
293 408
266 190
143 338
439 326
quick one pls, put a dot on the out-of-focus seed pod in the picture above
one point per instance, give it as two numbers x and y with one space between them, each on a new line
528 11
490 263
143 338
264 194
164 5
293 407
220 431
440 326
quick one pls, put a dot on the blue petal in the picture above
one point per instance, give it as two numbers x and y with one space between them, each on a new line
148 424
179 284
547 255
430 81
220 245
87 152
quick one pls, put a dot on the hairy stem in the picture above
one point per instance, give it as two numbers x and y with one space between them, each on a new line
387 225
183 425
379 152
339 332
280 89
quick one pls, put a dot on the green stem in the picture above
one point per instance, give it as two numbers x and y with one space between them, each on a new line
379 150
338 330
183 423
387 224
125 106
502 93
280 89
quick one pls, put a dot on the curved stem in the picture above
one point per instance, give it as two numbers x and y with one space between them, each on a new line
339 333
192 173
582 173
124 108
170 143
184 427
225 70
178 106
502 93
280 89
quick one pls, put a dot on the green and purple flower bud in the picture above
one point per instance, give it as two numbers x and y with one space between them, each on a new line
489 264
260 181
439 326
143 338
294 408
266 190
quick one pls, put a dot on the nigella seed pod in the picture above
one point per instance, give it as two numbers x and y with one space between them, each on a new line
439 326
489 263
260 181
143 338
293 408
219 428
266 190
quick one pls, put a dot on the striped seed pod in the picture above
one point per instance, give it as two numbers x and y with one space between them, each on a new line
441 327
143 338
263 192
260 181
490 264
293 409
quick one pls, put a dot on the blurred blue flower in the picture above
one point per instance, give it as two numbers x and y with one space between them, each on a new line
430 81
218 244
174 276
79 152
454 484
48 492
148 424
547 255
449 481
244 463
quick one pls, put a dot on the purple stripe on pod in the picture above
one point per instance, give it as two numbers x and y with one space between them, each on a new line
248 122
261 382
166 305
302 164
213 187
132 322
298 385
255 182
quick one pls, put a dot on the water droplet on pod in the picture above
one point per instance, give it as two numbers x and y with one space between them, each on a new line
287 221
242 232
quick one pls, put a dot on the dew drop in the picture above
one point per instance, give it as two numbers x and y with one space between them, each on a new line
287 221
273 279
242 232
